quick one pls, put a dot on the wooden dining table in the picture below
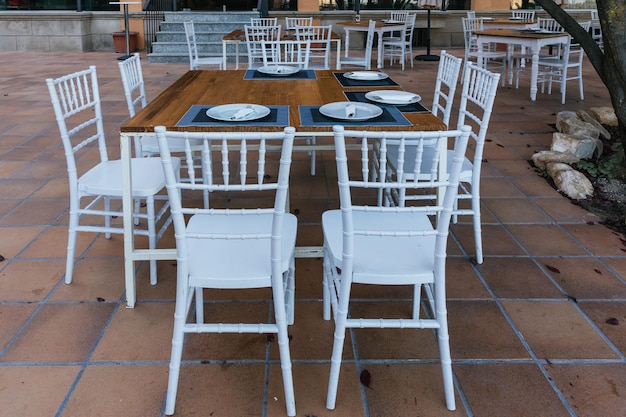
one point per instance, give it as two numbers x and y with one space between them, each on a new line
187 98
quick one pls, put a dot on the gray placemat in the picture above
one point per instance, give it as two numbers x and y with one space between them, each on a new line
360 96
347 82
196 116
253 74
391 116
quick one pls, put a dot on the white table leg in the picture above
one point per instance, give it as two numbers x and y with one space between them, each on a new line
127 210
224 59
379 64
533 75
338 63
347 41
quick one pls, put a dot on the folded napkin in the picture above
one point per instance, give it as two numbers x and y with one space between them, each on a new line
350 110
242 113
396 95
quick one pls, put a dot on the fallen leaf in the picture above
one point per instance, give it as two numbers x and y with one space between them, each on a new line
1 258
612 321
597 271
101 300
553 269
366 378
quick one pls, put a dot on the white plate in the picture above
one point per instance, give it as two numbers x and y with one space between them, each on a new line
363 111
227 112
278 70
391 21
392 97
365 75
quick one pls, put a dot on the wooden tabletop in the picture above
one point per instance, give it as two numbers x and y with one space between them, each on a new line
514 33
224 87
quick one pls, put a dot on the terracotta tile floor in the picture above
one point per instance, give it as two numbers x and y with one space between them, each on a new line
529 332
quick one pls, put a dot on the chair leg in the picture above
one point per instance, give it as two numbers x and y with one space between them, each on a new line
71 247
443 339
280 315
152 237
326 286
478 241
107 218
180 317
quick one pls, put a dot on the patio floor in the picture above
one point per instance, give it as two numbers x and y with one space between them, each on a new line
529 331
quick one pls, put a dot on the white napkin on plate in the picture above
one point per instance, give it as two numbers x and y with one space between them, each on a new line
350 110
242 113
396 95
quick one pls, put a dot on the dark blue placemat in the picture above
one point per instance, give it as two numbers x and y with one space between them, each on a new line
196 116
253 74
360 96
311 116
347 82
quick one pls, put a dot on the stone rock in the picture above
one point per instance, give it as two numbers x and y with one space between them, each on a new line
540 159
570 182
586 117
577 127
564 115
604 115
582 147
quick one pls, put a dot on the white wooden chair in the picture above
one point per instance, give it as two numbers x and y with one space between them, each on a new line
93 185
195 61
566 67
319 37
264 21
248 244
135 94
291 23
289 52
492 59
255 37
389 245
523 14
366 60
399 16
401 47
477 98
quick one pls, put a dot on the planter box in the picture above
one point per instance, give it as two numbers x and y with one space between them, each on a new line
119 42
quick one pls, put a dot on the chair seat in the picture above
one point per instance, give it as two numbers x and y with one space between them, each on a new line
106 178
409 264
212 60
392 155
236 263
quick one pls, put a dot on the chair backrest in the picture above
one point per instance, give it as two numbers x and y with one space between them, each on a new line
132 81
264 21
192 47
240 175
369 44
470 27
549 24
255 36
76 103
294 22
319 37
409 26
471 14
523 14
399 16
355 181
445 86
477 96
287 52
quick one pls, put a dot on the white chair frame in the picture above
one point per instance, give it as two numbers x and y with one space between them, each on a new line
232 248
389 245
195 61
365 61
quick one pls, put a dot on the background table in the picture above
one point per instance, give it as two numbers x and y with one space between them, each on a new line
533 41
379 29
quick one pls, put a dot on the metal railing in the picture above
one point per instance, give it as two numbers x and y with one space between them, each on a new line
154 14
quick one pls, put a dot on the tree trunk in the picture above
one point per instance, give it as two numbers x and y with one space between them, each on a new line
610 64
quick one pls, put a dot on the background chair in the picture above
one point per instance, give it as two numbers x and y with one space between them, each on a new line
445 85
135 94
402 46
389 245
194 60
560 70
491 57
233 247
477 98
290 52
523 14
291 23
399 16
319 37
365 61
76 103
255 37
264 21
